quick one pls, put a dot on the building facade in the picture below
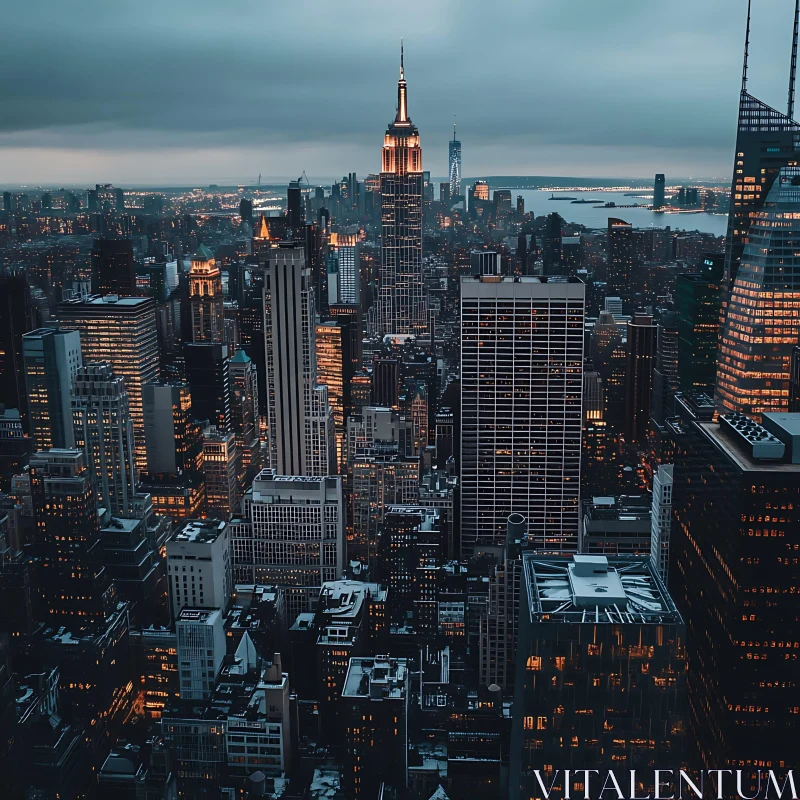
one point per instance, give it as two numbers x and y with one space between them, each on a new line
762 323
521 395
601 671
401 304
51 358
103 429
120 331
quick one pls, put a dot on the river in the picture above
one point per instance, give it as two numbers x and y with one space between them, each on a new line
538 201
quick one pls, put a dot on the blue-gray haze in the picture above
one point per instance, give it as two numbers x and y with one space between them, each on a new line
176 91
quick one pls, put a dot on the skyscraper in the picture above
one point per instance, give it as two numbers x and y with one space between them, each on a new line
762 324
521 392
199 565
607 351
104 431
17 317
658 191
734 577
221 473
209 383
172 440
296 532
665 365
697 301
294 206
661 519
347 286
551 244
766 141
75 587
334 370
402 304
639 376
601 673
205 298
244 412
120 331
113 267
299 417
51 358
620 262
454 161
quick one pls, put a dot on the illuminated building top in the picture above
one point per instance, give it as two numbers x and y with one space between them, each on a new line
762 323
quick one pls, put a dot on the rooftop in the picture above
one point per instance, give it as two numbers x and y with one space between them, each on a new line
596 589
202 616
97 300
199 531
379 678
748 454
343 599
202 254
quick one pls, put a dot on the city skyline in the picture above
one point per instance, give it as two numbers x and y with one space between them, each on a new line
186 118
361 490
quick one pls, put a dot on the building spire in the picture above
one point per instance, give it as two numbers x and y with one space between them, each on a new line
454 122
746 48
402 100
793 66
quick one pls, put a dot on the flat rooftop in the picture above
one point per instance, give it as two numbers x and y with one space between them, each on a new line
199 531
204 616
378 678
342 600
596 589
105 300
741 452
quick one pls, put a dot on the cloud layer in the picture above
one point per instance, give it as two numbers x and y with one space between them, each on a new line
177 91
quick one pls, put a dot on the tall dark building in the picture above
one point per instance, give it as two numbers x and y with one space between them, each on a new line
794 380
246 209
296 217
209 386
386 382
17 317
522 251
734 577
375 702
665 366
698 301
75 588
113 267
766 141
251 331
600 671
349 318
608 354
620 261
658 191
639 376
551 244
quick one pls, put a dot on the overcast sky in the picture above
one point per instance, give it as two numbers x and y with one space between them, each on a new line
199 91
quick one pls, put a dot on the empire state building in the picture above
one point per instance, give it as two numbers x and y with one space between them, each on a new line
402 306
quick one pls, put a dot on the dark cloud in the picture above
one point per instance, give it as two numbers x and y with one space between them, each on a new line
207 90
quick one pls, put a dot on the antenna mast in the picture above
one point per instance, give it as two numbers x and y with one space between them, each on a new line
793 67
746 48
